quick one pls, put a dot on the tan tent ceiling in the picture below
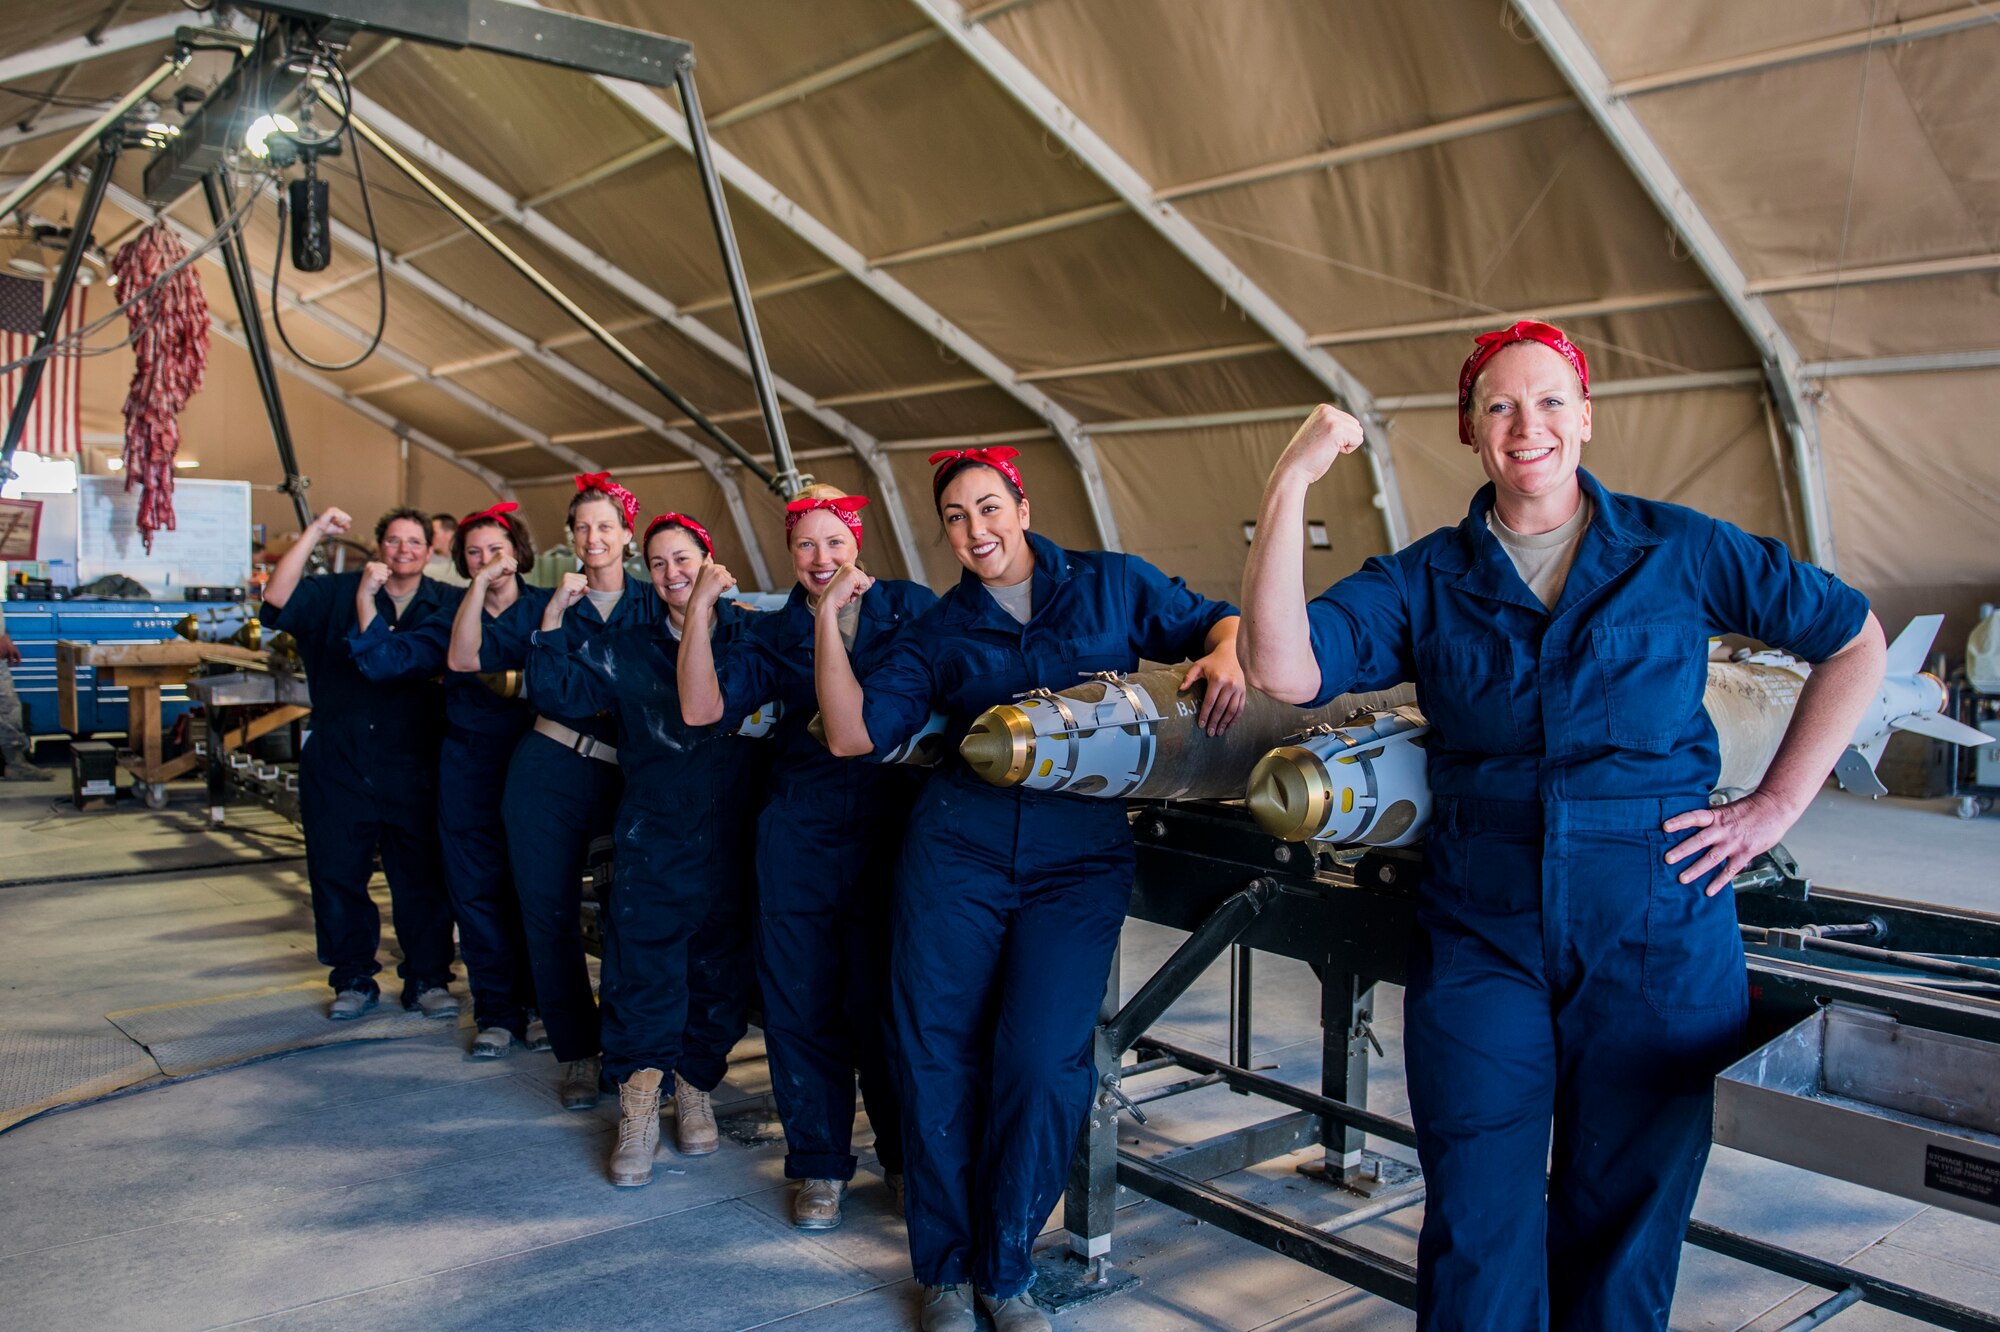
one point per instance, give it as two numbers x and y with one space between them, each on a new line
1138 237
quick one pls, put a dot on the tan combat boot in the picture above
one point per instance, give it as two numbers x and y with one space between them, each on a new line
816 1205
638 1129
694 1120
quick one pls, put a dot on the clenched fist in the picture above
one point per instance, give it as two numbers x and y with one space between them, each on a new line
333 522
373 575
1326 434
499 571
847 586
709 585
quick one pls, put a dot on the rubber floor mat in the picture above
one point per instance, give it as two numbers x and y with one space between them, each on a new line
42 1070
234 1028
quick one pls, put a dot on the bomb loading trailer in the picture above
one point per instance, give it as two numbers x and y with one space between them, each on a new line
1916 975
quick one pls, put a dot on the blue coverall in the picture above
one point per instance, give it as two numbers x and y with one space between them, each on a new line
481 730
367 783
827 843
557 802
676 978
1563 974
1008 906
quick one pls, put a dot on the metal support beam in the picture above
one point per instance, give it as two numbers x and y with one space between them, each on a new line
1069 130
1921 364
491 195
1637 303
93 130
46 128
1854 277
220 196
1203 945
651 107
1586 76
1610 388
81 50
1386 145
495 328
788 483
563 301
58 296
1890 34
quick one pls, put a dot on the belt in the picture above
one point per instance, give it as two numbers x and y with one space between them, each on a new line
588 746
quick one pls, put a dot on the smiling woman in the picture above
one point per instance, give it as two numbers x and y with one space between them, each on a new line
1008 902
564 782
675 982
1568 978
367 778
823 935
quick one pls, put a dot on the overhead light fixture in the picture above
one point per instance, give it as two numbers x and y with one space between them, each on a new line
185 463
258 137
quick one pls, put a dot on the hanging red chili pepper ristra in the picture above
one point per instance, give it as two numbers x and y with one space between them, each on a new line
171 348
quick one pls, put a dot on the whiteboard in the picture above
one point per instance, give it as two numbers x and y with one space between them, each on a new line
209 546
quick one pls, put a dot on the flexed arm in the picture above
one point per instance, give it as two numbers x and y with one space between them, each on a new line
292 565
468 627
694 665
841 698
1274 643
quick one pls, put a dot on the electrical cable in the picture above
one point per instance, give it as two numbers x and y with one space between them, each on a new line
339 79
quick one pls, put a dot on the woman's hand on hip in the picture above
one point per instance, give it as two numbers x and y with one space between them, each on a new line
1729 836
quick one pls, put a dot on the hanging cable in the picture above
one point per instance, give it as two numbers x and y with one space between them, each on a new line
313 147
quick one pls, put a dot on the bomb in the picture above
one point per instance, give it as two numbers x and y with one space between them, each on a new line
1364 783
1136 737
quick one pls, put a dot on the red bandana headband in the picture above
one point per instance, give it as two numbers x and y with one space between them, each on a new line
679 520
996 458
1487 345
498 513
622 497
847 508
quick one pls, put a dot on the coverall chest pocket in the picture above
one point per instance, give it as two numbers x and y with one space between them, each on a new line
1069 660
1470 692
1650 672
972 676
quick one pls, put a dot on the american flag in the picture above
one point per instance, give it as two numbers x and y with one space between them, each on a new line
55 416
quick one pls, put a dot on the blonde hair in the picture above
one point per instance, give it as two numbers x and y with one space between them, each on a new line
821 490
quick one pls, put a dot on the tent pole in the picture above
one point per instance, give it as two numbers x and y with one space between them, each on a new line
221 197
72 263
788 482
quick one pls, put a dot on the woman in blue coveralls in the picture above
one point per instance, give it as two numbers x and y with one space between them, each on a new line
489 633
563 782
369 766
822 931
676 975
1578 967
1008 901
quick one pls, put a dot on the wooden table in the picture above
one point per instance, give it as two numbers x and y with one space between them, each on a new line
143 670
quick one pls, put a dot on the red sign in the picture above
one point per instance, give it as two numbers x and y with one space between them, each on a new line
20 528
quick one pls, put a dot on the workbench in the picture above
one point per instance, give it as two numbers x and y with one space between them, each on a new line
146 671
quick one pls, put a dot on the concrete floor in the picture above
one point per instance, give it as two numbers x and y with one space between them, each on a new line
396 1183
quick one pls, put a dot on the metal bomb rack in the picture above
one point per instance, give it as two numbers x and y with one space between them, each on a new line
1820 961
